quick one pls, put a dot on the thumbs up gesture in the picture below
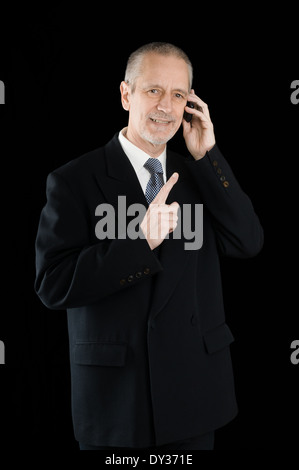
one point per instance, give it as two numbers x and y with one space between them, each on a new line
160 218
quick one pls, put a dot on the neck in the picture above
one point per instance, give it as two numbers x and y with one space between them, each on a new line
154 150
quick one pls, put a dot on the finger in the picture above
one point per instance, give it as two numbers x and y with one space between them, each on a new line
165 208
196 98
199 107
199 102
165 190
174 206
199 113
186 126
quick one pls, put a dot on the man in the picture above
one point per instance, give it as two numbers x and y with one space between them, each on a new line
149 346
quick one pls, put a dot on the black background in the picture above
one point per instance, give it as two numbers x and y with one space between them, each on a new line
62 67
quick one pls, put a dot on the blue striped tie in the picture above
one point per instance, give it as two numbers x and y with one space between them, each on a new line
153 165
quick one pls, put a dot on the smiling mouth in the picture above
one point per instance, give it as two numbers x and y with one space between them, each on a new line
159 121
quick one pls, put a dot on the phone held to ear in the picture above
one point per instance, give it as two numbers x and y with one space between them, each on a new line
188 116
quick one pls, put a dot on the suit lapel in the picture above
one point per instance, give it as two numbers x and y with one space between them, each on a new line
172 254
123 181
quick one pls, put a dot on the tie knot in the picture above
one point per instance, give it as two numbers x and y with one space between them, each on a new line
153 165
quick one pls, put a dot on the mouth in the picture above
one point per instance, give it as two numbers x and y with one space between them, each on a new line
160 121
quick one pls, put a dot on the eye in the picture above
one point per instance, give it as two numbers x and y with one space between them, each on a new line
178 95
153 91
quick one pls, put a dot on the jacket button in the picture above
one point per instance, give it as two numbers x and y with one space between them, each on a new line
130 278
122 282
138 274
226 184
222 178
215 163
146 270
219 171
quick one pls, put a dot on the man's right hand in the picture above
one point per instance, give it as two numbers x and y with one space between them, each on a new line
160 218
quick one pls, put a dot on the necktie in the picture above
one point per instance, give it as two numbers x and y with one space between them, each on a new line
153 165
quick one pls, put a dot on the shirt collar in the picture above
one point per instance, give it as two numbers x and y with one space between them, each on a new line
137 156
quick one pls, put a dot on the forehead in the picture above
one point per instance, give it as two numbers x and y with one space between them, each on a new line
165 70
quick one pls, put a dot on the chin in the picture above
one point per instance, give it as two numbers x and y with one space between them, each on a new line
156 139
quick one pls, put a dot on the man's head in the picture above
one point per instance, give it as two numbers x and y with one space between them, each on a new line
157 81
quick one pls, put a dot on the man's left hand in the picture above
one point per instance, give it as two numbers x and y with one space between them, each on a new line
199 133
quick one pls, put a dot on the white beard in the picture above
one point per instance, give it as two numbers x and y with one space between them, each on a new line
149 137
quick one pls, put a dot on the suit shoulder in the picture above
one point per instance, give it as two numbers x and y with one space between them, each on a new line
82 165
184 156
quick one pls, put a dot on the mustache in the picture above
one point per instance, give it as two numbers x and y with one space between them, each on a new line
165 117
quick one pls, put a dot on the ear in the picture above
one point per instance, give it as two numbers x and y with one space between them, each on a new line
125 95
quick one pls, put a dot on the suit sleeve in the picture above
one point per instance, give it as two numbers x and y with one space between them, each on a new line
71 271
238 229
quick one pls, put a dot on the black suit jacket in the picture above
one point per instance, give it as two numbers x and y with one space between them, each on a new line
149 346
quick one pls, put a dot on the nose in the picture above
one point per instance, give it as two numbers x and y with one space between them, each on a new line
165 104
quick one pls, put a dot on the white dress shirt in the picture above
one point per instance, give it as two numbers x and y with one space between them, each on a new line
138 158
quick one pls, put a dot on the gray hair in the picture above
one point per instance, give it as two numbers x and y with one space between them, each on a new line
133 68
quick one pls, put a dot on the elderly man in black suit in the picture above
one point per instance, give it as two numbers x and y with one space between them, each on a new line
149 345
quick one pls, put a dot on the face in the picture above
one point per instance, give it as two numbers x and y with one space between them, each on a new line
157 104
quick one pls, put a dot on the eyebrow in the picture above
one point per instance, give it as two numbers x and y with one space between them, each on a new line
180 90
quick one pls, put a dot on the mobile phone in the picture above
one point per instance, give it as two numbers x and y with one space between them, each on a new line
188 116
